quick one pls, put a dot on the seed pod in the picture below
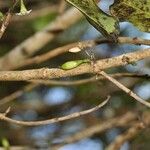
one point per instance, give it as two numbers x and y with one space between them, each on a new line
73 64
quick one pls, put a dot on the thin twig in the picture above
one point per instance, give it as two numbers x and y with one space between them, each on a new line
82 45
55 52
124 88
35 83
16 94
88 80
54 120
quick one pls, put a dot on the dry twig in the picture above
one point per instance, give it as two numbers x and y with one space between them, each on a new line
36 83
54 120
82 44
91 79
60 50
125 89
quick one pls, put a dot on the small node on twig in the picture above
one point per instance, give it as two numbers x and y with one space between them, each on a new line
3 115
7 111
126 59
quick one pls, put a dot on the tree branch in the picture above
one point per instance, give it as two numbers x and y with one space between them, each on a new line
46 73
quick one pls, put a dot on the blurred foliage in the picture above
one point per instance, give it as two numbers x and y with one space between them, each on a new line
34 106
141 141
39 23
5 144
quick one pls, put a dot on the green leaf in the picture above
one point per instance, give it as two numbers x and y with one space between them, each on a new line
103 22
134 11
73 64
